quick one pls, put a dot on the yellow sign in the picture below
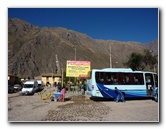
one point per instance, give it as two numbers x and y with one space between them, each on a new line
77 68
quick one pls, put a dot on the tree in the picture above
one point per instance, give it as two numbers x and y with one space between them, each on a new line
134 61
149 58
139 61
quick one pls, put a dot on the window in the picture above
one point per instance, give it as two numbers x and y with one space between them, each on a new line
28 86
138 79
149 79
108 78
126 78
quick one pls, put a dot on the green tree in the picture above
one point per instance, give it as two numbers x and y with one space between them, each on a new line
139 61
149 59
134 62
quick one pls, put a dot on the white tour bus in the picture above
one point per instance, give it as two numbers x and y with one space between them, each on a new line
131 83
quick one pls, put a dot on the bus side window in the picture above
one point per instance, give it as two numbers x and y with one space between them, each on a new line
101 80
105 76
138 78
108 78
131 80
115 81
112 80
136 81
141 78
126 78
97 76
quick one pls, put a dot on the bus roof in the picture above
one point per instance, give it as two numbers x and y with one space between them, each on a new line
120 70
115 69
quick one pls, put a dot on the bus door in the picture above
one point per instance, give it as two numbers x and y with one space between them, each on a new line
156 87
156 80
150 87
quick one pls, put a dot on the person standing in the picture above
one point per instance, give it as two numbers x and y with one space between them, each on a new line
120 96
82 89
59 87
55 85
62 96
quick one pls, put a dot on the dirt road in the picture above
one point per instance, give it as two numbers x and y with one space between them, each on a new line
75 108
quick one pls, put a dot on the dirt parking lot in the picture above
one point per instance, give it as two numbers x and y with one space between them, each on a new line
75 108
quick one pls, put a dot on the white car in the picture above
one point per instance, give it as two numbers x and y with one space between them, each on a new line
40 85
17 87
29 87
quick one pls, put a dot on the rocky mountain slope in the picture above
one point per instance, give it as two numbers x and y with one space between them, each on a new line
32 50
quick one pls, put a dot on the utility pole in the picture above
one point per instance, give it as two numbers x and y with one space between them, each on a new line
75 78
62 73
110 58
57 64
58 71
75 52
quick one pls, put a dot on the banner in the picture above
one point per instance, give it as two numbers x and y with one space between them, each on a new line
77 68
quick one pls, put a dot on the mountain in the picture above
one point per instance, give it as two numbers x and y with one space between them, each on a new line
32 50
152 46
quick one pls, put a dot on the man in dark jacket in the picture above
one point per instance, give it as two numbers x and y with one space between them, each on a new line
120 96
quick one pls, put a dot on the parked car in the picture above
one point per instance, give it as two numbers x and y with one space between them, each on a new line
29 87
17 87
40 85
10 88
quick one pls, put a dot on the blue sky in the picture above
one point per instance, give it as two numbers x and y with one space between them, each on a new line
122 24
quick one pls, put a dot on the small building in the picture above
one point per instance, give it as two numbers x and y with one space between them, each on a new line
51 78
13 79
38 78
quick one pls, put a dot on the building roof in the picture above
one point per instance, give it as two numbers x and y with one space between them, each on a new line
51 74
38 77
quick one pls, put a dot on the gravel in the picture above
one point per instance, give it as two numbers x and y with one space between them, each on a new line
79 109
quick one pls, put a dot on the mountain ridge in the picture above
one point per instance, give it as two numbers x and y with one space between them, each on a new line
32 50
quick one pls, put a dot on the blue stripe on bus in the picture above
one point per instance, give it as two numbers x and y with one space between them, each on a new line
106 92
110 93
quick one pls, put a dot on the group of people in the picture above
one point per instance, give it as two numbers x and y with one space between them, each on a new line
61 97
63 90
119 97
